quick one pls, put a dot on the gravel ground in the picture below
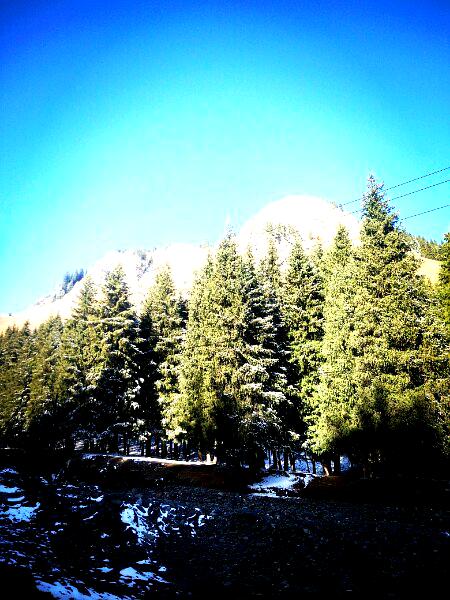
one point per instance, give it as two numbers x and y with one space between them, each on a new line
297 547
245 546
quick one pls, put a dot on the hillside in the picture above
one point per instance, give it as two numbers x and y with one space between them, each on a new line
315 219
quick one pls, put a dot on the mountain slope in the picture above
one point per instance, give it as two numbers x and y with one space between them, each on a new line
315 219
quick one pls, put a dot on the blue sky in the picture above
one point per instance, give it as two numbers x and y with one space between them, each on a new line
136 124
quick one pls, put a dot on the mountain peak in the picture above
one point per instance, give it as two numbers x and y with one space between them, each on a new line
315 220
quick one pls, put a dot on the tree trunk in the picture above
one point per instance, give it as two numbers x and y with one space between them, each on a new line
148 446
163 449
326 464
114 448
274 459
314 469
292 457
286 460
337 464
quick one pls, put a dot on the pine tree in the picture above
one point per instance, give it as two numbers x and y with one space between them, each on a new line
302 305
163 314
233 372
387 340
269 269
444 279
43 416
80 367
212 355
287 411
16 352
332 420
118 380
263 372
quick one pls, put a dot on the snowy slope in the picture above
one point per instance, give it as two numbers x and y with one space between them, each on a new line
140 269
315 220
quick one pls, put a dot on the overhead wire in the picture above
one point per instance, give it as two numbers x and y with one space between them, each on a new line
425 212
408 194
398 185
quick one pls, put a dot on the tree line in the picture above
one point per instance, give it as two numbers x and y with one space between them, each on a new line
342 352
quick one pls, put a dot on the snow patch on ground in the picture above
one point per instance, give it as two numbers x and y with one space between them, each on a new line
65 590
135 517
130 574
8 471
277 481
269 495
8 490
278 485
19 514
146 459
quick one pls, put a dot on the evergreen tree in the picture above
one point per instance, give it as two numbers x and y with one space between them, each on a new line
332 419
212 356
269 269
390 308
16 352
118 380
302 305
233 377
287 410
80 367
444 279
263 372
163 316
43 415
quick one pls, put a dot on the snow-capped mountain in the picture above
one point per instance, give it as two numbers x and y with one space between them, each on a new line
315 219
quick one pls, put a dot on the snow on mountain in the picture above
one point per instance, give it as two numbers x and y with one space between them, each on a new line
140 267
314 218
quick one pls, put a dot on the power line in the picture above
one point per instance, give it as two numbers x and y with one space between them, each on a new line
417 178
421 189
425 212
399 185
408 194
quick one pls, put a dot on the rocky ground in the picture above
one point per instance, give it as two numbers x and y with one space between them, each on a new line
297 547
338 537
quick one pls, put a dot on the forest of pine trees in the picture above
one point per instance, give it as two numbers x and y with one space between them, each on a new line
341 352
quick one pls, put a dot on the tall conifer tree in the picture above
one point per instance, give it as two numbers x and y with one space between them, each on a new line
16 354
444 279
213 354
118 382
263 371
302 305
80 367
387 339
163 310
332 419
43 413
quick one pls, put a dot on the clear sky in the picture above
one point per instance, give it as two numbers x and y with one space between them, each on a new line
134 124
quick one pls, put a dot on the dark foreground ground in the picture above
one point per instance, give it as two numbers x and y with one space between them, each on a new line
251 546
285 547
